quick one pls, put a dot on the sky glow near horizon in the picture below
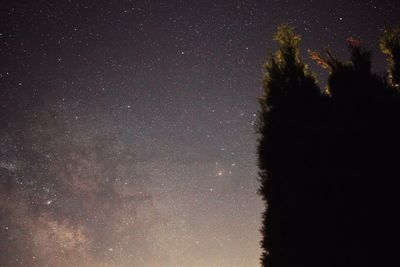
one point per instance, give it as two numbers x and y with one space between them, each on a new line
127 132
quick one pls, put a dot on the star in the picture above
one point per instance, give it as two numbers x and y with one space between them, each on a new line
127 131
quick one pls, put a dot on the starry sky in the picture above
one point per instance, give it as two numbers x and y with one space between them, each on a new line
127 127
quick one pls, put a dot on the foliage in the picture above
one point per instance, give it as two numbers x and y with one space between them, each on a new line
325 157
390 46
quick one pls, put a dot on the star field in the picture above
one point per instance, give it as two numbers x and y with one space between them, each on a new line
127 133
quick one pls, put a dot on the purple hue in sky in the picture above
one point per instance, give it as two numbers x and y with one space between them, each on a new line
127 127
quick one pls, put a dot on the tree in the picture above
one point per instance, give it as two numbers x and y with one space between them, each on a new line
287 127
390 45
325 157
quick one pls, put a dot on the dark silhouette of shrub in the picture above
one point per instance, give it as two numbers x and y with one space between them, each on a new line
326 158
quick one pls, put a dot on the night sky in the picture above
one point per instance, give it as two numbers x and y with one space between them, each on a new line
127 127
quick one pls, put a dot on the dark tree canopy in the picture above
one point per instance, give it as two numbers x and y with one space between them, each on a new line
328 158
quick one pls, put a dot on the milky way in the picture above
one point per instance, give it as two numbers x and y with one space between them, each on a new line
127 127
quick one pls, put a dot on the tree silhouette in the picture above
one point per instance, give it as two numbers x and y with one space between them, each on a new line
326 157
287 126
